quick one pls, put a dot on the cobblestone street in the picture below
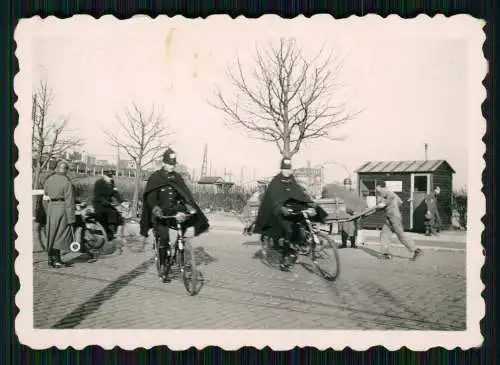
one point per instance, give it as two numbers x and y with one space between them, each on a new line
122 290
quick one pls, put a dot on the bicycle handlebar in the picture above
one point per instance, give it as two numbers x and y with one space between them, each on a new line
300 212
187 215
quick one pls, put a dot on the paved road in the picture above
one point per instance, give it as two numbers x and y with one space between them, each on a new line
122 290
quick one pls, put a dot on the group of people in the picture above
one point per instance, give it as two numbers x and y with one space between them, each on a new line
56 210
166 194
284 195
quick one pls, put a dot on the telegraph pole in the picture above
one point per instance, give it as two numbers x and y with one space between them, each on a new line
117 161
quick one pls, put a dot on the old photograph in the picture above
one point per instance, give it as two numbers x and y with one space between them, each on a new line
250 182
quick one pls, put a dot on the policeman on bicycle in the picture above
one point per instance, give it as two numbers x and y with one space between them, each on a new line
275 219
165 195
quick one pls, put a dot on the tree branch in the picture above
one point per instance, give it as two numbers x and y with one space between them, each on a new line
286 98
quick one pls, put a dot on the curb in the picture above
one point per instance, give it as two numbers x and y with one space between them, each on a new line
227 230
423 248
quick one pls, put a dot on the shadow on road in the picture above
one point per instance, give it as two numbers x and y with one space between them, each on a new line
76 317
378 254
202 257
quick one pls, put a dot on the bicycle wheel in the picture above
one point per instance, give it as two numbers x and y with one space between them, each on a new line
325 258
189 272
94 236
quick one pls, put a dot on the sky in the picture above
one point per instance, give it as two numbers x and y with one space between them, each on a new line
411 84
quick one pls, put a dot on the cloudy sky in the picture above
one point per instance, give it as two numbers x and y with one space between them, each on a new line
412 82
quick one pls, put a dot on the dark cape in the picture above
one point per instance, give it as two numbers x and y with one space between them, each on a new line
269 219
158 180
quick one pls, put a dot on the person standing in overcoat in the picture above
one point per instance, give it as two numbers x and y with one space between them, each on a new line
59 204
432 217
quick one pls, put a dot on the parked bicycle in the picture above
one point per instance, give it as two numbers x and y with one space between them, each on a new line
181 254
88 234
314 246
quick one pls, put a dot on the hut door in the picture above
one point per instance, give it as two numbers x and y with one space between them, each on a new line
420 186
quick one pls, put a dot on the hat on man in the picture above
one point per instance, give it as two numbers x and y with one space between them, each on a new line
109 173
62 166
169 157
286 164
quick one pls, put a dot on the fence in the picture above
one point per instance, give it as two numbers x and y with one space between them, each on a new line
231 200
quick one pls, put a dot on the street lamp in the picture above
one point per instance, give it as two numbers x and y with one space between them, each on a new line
347 180
348 183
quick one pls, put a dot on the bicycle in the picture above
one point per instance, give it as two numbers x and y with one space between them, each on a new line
181 249
90 235
314 245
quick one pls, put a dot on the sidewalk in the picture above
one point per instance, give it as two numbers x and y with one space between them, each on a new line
446 236
450 240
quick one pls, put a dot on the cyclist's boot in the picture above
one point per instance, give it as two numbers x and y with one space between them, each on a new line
286 256
59 261
53 261
161 258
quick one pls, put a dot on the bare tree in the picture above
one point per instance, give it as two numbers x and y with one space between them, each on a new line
49 138
143 136
287 99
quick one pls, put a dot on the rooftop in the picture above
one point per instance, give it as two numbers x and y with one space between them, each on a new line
402 166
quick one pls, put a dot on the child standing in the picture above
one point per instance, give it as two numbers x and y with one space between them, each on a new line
349 231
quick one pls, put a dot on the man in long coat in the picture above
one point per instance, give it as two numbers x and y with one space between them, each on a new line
59 204
166 194
432 217
283 196
105 196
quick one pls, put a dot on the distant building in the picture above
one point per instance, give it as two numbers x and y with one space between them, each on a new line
310 178
72 156
126 164
215 183
90 160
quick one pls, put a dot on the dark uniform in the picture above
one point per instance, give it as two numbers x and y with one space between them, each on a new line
105 196
284 194
165 195
432 217
59 205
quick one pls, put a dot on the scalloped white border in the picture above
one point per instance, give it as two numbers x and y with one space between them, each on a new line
463 26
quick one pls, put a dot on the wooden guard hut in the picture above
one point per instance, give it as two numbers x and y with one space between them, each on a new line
412 181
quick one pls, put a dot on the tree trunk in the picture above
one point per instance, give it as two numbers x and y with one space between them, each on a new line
286 148
36 178
135 200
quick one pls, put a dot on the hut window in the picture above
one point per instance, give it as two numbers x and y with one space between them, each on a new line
420 184
368 188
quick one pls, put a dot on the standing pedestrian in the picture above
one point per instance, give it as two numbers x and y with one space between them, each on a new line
432 217
390 202
349 231
59 197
